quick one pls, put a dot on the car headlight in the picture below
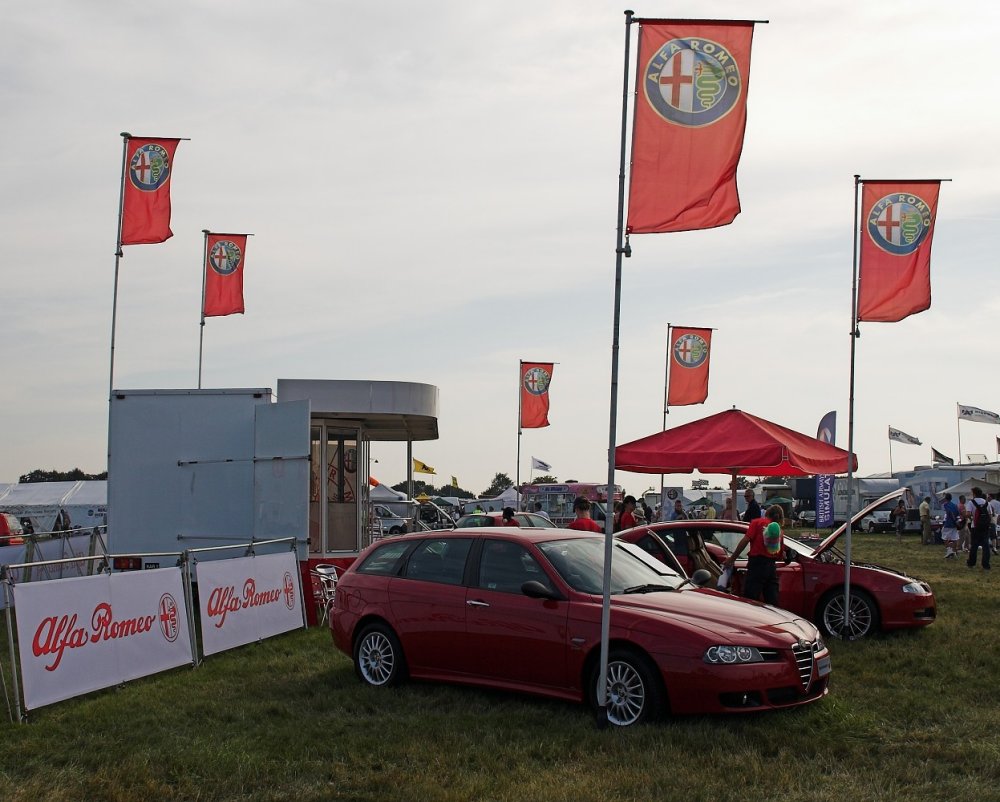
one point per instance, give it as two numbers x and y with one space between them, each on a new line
730 655
913 587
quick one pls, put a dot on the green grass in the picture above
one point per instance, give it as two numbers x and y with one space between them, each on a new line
912 715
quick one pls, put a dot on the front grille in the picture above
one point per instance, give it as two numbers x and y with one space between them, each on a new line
803 653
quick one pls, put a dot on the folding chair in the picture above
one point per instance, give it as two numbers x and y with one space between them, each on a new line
325 580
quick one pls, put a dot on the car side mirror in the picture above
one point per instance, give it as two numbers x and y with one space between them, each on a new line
536 590
790 556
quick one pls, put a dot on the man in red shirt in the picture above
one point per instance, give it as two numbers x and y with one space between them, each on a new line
583 521
628 519
766 546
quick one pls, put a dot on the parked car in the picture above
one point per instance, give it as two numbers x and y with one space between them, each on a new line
520 610
496 519
807 517
811 581
11 530
392 524
877 521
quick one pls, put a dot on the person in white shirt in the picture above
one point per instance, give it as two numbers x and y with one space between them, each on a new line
994 504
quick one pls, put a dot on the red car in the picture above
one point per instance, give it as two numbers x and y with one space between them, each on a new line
496 519
520 609
811 583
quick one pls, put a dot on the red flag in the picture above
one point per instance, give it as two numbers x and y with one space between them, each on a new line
149 163
535 380
224 258
690 350
690 115
896 231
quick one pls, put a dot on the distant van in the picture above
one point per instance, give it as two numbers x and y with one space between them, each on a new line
11 531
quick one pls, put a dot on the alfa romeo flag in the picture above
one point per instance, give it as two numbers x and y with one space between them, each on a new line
535 380
225 255
896 232
689 352
690 116
149 164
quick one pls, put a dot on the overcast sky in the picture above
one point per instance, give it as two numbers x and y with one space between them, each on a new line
432 188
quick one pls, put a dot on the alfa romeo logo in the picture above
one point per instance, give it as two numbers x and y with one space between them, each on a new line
898 223
690 350
288 588
149 168
225 257
536 380
692 82
167 613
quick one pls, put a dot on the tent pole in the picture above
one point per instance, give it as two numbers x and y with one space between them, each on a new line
850 420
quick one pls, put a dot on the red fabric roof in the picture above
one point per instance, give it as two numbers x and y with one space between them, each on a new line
732 442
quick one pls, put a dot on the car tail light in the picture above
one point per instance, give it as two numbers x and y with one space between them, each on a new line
127 563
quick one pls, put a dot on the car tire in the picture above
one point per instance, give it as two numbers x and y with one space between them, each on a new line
863 620
378 657
635 691
396 530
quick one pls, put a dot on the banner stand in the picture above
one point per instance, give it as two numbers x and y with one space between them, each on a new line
8 599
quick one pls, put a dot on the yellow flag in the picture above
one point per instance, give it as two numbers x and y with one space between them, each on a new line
422 467
454 481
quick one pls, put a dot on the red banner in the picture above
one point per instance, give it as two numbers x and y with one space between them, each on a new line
690 115
896 231
225 255
535 380
690 350
149 163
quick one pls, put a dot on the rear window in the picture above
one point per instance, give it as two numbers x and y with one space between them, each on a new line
385 560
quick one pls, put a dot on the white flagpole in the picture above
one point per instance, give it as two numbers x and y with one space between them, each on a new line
850 419
958 425
204 280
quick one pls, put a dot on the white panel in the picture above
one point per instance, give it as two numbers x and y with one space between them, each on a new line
281 472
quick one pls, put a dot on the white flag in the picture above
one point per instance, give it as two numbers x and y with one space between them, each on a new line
977 414
538 465
903 437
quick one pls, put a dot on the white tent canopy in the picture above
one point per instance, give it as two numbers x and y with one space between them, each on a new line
964 488
82 504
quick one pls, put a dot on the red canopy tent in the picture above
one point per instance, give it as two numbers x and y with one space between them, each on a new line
733 442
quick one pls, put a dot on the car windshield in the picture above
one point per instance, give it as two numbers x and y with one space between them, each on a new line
580 562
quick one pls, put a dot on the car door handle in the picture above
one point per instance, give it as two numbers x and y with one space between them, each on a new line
477 603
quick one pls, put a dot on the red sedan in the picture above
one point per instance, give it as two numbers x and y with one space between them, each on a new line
520 609
811 583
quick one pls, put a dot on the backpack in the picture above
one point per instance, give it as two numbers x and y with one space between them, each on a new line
981 524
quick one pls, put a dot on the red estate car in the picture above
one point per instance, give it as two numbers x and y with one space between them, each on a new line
520 609
812 582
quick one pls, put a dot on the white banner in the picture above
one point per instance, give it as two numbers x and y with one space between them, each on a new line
247 599
977 414
902 437
80 634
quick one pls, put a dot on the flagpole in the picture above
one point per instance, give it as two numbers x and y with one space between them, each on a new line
621 249
517 469
666 405
204 279
850 416
126 136
890 456
958 425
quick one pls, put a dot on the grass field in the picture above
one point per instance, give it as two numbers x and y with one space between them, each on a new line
912 715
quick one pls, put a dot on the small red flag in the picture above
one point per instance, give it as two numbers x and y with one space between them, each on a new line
225 255
690 115
690 350
149 164
896 231
535 380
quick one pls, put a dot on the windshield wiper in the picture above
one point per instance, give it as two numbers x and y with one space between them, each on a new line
648 588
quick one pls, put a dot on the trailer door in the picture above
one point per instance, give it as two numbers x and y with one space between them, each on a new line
281 471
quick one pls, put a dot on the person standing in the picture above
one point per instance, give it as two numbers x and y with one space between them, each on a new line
964 522
994 504
583 522
898 516
727 510
508 517
710 511
979 530
766 542
752 512
679 513
925 520
949 532
646 511
628 516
